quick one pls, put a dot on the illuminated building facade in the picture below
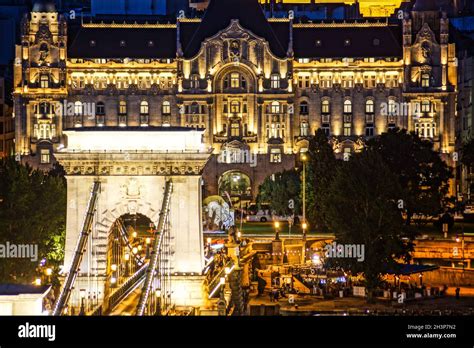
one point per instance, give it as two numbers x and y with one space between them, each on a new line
258 86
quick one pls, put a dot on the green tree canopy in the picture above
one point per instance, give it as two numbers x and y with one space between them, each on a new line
422 174
32 211
320 171
278 189
361 208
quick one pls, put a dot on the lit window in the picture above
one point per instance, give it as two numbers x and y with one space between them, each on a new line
425 80
347 125
392 107
347 107
235 107
275 107
78 108
166 108
304 129
44 81
144 107
195 81
235 129
234 80
425 106
275 81
325 82
369 107
123 107
45 156
325 107
275 156
347 81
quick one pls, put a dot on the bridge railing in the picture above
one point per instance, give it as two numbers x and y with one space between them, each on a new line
126 288
79 252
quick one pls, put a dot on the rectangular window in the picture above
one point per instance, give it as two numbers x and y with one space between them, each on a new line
275 156
347 129
326 129
369 130
325 82
370 81
45 156
235 80
275 81
347 82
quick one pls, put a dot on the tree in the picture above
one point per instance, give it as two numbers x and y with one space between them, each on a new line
32 212
319 174
467 151
278 189
421 172
361 209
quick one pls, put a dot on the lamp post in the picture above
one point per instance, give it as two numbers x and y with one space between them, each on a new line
82 293
462 246
158 302
304 226
304 159
277 230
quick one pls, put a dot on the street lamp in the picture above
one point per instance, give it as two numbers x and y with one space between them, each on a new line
158 301
304 226
277 230
462 247
304 159
82 293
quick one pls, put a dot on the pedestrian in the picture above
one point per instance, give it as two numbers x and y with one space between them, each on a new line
271 295
458 290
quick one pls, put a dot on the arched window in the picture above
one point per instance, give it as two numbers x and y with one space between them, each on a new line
123 107
304 109
144 107
325 107
275 107
369 107
166 108
392 107
425 80
78 108
347 107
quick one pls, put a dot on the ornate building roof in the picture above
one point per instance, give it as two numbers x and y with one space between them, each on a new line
218 16
311 40
44 6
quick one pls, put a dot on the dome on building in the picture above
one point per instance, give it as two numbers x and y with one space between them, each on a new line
44 6
425 5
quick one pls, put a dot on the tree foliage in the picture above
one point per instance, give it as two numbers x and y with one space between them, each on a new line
278 189
32 211
361 208
422 174
319 174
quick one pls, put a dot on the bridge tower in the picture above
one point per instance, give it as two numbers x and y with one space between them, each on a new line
132 166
